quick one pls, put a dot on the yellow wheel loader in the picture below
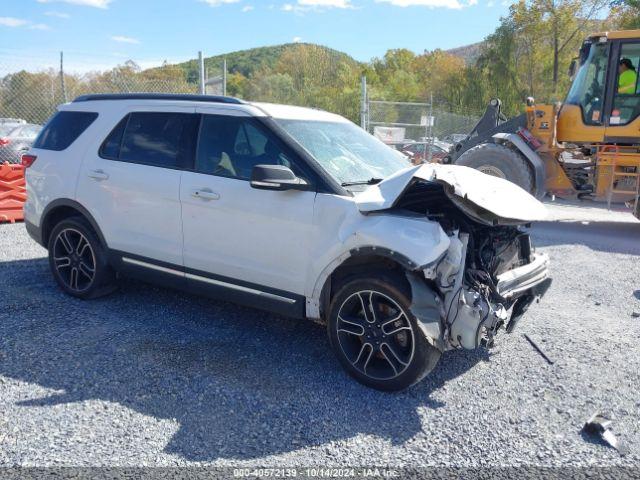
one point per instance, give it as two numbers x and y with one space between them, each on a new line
586 147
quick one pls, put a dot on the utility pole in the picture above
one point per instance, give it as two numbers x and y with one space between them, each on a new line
63 89
224 76
201 72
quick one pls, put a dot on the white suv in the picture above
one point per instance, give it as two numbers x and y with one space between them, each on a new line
288 209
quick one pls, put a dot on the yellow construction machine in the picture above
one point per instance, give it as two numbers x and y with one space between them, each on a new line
586 147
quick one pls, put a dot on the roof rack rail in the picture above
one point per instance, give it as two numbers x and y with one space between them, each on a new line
158 96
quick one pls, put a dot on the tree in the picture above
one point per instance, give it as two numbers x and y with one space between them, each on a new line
532 46
564 20
625 14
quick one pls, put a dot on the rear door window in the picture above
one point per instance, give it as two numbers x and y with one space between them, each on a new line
161 139
111 147
63 129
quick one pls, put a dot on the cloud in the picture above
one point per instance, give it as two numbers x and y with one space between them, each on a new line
57 14
19 22
455 4
297 39
247 8
13 22
86 3
306 5
326 3
217 3
123 39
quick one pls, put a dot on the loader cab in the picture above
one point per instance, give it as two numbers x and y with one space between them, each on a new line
595 111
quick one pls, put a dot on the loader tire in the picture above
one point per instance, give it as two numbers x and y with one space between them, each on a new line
499 161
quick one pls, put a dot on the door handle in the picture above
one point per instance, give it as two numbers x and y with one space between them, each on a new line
98 175
205 194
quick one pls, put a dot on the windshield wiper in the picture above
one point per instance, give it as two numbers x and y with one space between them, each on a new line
371 181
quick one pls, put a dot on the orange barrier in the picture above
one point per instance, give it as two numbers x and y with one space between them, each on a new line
13 192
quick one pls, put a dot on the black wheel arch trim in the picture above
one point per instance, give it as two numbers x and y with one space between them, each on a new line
45 229
397 257
407 264
34 231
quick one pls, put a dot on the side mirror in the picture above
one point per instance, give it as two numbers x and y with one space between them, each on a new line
276 177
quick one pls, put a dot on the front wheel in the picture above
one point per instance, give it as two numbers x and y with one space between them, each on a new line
375 336
78 260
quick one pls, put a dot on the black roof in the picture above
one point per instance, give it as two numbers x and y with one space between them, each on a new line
157 96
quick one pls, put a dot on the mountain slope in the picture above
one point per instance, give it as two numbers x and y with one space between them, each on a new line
469 53
249 61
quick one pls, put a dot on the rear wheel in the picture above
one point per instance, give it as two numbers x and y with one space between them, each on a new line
375 336
499 161
78 260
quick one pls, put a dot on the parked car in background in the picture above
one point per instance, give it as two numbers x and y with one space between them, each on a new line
454 138
14 121
15 139
418 152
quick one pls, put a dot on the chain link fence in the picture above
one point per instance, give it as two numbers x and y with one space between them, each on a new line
423 131
303 74
300 74
33 95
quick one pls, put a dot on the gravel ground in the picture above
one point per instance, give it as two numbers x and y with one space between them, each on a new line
149 376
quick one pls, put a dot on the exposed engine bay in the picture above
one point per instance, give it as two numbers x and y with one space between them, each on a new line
487 277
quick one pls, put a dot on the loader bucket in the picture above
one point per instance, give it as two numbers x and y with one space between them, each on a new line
13 192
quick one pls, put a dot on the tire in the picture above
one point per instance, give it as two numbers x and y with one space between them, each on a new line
499 161
78 260
387 356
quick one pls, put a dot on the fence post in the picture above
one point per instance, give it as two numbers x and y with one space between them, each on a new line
364 109
201 72
224 76
63 88
430 125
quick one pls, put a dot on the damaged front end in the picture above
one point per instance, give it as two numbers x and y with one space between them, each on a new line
489 275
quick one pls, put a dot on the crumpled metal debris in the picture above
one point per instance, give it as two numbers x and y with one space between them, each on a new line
598 427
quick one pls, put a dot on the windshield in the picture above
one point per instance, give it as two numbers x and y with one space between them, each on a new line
6 129
587 90
345 151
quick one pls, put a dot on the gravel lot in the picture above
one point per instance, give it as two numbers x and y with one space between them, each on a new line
149 376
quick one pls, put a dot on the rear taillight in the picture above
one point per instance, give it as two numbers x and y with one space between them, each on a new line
27 160
4 141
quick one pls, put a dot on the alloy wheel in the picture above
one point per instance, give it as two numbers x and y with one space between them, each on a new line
74 259
375 335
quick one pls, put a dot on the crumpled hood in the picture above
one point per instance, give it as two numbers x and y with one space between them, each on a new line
505 200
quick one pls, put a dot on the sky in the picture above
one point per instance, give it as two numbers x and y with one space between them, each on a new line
99 34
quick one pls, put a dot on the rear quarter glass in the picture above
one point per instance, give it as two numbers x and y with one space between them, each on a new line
63 129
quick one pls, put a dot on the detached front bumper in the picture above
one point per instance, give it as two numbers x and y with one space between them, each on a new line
528 283
515 282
